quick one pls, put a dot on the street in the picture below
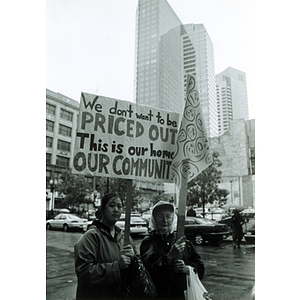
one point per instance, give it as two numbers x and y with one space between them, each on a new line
229 273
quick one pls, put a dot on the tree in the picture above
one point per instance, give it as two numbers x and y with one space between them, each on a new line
117 185
203 189
74 188
221 195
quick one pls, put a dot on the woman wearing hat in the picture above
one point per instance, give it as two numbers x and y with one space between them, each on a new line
100 254
165 258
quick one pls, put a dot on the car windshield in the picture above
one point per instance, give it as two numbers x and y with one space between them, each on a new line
203 221
57 217
73 217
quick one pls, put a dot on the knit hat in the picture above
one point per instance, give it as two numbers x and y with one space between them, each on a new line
162 204
156 207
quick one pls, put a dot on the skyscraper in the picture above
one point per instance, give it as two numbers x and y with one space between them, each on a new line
198 60
232 97
158 61
166 50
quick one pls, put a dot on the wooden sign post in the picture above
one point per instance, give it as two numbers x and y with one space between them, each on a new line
181 208
128 211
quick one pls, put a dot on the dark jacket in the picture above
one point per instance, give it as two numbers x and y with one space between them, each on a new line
236 224
96 262
169 285
191 213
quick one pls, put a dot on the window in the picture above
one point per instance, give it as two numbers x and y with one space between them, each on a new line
50 109
64 114
48 160
62 161
62 145
49 125
64 130
49 141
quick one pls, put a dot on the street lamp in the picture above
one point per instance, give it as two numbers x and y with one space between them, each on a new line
231 191
53 184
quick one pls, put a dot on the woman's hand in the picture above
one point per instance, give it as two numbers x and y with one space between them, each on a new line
180 267
128 251
127 254
176 249
124 261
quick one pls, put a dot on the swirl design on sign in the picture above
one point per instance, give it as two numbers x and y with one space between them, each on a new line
193 98
188 170
191 131
191 152
189 113
190 84
181 135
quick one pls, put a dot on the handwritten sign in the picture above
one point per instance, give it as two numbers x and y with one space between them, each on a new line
192 154
122 139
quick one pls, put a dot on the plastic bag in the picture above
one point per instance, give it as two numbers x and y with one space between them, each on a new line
195 289
137 282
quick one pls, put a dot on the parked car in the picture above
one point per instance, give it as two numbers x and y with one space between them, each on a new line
247 226
248 213
250 236
90 215
137 225
65 222
146 216
200 230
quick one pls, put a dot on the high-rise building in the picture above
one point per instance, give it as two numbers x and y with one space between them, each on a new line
166 50
158 57
232 97
198 60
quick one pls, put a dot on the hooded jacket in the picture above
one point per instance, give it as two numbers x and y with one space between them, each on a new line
154 249
96 262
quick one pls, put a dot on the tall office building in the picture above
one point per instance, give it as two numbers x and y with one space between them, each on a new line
166 50
198 60
158 57
232 97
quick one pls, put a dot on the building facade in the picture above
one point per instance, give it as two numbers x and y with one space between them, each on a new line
158 57
237 154
165 52
61 123
198 60
232 97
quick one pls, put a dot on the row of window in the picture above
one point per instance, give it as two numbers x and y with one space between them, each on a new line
61 145
60 160
64 114
62 129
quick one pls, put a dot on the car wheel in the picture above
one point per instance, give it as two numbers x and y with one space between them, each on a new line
65 228
48 226
198 239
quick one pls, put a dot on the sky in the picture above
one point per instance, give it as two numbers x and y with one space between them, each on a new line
90 44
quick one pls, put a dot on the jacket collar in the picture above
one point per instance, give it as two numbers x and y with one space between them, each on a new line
102 227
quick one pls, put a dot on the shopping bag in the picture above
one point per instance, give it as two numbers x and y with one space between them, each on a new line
137 282
195 289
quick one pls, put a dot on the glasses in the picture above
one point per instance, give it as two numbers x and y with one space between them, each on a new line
162 217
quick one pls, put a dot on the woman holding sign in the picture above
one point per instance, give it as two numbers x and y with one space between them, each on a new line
100 254
165 258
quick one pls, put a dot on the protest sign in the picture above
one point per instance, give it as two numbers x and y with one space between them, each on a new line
192 154
121 139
